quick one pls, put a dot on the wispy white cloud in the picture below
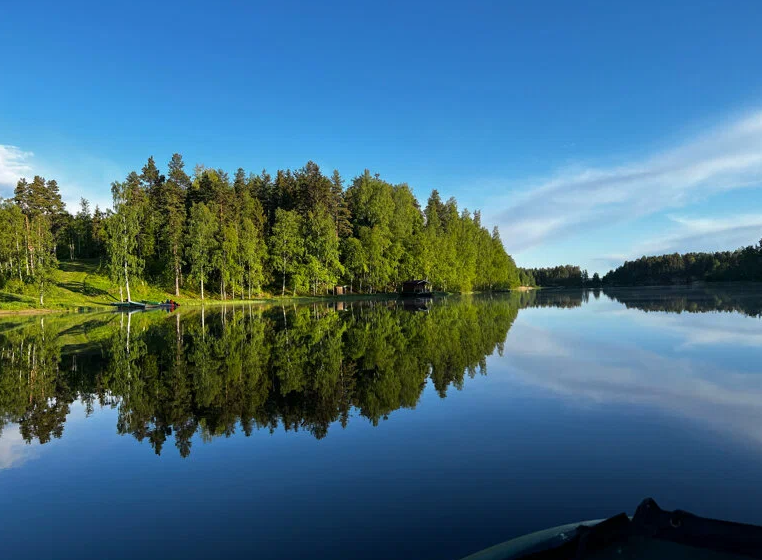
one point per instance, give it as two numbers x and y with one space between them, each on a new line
608 372
728 157
78 174
14 451
703 329
704 234
14 164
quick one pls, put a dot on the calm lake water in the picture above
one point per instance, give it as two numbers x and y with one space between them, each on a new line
374 429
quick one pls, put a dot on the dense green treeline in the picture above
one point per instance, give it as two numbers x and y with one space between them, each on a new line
245 368
726 266
741 265
299 232
567 276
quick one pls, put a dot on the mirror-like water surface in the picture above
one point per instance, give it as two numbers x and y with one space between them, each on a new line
375 429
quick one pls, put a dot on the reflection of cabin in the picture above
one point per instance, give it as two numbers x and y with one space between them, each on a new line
416 288
417 304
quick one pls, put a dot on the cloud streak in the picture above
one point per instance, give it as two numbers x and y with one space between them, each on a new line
606 372
726 158
14 451
704 234
14 164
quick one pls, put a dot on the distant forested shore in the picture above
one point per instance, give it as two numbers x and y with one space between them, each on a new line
298 232
741 265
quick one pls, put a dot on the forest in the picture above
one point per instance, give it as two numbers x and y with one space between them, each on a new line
565 276
741 265
299 232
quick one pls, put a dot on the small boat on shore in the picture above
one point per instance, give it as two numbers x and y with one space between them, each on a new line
129 305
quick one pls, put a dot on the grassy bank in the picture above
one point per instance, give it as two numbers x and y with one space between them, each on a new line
79 285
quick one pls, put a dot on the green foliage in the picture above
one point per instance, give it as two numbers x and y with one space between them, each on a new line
322 249
31 230
13 260
253 255
286 247
123 234
172 207
568 276
202 226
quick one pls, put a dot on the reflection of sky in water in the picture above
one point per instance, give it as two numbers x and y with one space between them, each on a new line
588 411
14 451
705 367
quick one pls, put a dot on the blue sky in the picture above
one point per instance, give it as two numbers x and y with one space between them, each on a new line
589 132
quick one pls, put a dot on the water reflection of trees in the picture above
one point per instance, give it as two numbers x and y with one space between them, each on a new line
696 299
739 298
246 368
559 298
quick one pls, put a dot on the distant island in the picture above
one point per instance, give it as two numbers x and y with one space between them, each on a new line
184 236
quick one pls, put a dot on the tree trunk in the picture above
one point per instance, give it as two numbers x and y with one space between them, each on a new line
127 281
202 287
283 289
28 257
18 253
177 271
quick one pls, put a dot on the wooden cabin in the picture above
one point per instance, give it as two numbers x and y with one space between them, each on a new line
416 288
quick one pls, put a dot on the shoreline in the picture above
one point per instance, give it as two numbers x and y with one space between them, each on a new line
273 300
194 303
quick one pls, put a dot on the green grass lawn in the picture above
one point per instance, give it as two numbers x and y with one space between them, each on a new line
82 284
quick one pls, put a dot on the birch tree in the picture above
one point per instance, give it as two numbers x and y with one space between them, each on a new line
286 244
202 226
123 232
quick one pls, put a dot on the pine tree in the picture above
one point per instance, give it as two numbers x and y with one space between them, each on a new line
173 197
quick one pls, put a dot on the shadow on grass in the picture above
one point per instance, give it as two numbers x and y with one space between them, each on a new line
10 298
89 266
84 289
